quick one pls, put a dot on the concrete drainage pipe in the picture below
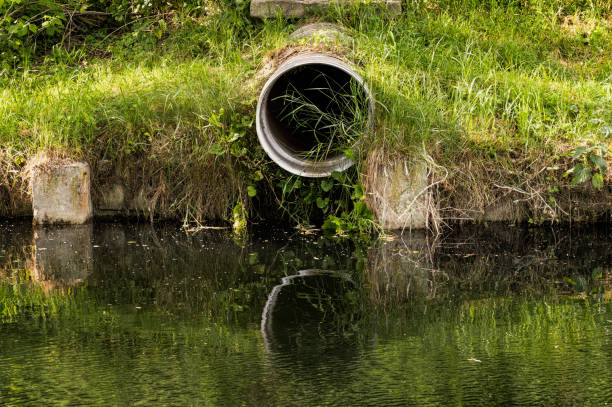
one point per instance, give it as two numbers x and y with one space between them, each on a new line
312 108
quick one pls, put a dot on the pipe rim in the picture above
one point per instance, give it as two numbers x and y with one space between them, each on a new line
282 155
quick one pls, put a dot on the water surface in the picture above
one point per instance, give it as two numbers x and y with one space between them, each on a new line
112 314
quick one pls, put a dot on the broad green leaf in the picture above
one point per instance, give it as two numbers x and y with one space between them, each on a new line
569 280
579 151
297 184
361 211
251 191
599 161
327 184
309 198
237 151
358 193
322 203
338 176
582 174
331 224
238 209
217 149
233 137
349 153
597 273
606 131
597 181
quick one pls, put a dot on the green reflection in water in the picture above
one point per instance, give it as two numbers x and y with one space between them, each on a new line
161 318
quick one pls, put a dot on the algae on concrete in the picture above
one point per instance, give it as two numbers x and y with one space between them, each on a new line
61 194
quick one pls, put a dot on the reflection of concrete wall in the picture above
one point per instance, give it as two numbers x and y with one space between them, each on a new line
113 237
62 255
401 269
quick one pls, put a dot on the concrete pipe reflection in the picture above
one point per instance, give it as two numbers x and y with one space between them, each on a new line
310 313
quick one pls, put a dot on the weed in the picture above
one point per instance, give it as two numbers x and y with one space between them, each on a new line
334 115
591 165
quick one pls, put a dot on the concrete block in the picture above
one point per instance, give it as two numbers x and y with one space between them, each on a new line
505 210
398 194
299 8
63 256
62 193
112 200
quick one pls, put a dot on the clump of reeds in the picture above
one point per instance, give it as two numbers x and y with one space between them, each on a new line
333 117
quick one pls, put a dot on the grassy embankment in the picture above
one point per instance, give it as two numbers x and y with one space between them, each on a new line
495 95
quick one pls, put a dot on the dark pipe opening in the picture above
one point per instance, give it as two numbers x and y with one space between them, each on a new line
312 109
317 110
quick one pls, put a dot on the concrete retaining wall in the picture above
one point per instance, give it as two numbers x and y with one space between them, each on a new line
62 193
300 8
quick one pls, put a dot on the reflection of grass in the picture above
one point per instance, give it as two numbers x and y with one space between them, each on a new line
539 337
27 300
336 125
189 328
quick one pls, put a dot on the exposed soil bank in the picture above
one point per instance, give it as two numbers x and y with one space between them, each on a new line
437 195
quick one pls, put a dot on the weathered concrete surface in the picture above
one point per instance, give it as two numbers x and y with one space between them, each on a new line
63 256
141 203
114 200
299 8
399 195
111 201
505 210
62 194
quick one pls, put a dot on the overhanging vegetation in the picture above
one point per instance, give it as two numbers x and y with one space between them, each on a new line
162 100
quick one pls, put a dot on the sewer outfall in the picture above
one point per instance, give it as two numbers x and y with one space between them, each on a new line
311 111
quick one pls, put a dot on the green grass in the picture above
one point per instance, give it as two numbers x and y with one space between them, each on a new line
336 124
491 78
162 107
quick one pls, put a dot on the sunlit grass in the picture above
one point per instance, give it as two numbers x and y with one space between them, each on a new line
454 78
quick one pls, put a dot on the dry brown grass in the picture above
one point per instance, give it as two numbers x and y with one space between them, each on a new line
519 187
513 186
14 197
171 179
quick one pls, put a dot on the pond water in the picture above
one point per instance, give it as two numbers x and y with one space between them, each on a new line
111 314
